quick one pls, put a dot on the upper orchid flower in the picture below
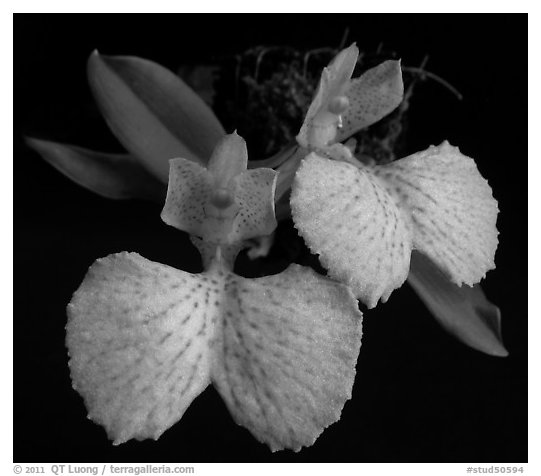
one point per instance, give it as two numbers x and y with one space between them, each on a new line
364 221
342 106
145 339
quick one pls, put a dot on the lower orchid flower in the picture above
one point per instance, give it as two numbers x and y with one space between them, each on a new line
145 339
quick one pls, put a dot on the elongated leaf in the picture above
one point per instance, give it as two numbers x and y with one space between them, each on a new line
152 112
463 311
117 176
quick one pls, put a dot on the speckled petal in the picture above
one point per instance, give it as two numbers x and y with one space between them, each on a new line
285 359
372 96
137 337
452 210
189 190
255 197
347 217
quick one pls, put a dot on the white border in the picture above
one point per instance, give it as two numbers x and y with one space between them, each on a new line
534 237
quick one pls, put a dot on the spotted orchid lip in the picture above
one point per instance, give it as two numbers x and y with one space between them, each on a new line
365 221
145 339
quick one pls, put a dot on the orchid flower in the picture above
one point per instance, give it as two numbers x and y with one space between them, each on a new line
145 339
364 221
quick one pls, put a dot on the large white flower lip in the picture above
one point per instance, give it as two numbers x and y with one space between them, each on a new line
145 339
365 221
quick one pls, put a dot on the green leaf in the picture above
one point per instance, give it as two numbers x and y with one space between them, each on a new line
463 311
153 113
117 176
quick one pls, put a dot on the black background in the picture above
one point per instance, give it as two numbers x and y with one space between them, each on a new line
419 395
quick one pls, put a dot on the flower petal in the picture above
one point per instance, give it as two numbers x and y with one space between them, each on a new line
348 218
340 69
137 337
372 96
463 311
190 188
117 176
285 360
334 82
452 210
229 159
255 196
152 112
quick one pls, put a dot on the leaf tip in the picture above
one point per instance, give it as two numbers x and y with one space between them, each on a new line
29 141
502 352
93 57
37 145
